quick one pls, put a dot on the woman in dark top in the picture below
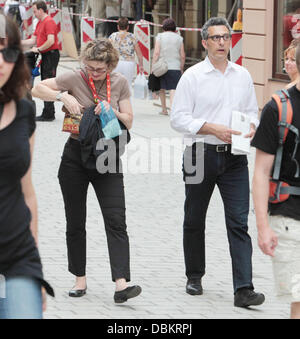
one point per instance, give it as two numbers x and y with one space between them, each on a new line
21 278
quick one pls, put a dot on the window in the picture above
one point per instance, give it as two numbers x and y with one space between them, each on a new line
287 28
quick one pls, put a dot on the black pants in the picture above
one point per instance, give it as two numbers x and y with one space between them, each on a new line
74 180
48 70
230 173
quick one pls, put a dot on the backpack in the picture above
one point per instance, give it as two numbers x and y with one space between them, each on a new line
15 13
279 190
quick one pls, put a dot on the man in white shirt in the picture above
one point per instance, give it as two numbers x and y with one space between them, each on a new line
205 97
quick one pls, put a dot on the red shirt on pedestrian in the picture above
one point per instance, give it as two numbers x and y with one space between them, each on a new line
43 29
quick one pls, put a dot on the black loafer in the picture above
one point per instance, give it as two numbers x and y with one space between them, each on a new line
41 118
77 293
246 297
194 287
129 292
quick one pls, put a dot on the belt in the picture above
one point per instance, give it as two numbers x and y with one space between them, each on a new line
218 148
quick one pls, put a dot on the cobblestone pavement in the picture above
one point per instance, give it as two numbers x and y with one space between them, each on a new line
154 219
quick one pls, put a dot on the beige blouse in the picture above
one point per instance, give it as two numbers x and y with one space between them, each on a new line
75 85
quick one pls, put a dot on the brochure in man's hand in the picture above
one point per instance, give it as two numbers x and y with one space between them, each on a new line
240 122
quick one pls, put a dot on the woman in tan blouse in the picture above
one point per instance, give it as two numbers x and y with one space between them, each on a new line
98 59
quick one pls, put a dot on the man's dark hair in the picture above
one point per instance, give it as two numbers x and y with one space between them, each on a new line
40 5
169 25
215 21
123 23
18 83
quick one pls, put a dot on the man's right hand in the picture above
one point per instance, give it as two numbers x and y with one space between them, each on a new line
220 131
267 241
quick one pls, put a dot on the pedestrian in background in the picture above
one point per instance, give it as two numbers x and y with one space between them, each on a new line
17 12
98 58
45 38
279 233
290 63
126 44
169 45
97 9
113 12
127 9
205 98
20 263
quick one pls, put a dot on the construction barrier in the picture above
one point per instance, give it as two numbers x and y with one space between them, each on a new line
142 33
29 18
56 16
87 29
236 48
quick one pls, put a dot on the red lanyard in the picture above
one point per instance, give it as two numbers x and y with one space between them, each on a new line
91 85
93 88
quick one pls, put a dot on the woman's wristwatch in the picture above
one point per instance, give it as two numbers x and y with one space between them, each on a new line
59 96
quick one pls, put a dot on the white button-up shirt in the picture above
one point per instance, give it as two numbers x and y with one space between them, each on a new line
206 95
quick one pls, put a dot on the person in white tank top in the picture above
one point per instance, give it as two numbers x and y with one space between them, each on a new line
169 45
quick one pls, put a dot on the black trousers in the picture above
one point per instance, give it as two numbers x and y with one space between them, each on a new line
230 173
48 70
74 180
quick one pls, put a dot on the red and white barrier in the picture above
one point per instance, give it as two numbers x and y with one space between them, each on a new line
236 48
142 33
87 29
29 17
56 16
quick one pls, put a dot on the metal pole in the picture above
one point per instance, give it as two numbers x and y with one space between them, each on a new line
232 10
171 8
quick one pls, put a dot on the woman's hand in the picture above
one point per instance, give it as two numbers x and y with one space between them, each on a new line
72 105
141 69
98 108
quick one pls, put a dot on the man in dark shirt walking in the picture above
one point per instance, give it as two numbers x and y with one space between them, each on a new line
45 38
279 234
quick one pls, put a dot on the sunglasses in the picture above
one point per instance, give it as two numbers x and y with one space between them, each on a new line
10 54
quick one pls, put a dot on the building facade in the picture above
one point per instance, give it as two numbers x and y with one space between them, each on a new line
269 26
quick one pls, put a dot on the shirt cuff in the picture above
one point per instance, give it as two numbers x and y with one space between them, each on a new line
196 125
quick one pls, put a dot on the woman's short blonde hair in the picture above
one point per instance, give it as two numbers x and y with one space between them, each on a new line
101 50
292 47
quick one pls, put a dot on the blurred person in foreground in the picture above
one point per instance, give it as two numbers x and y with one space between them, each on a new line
278 223
20 265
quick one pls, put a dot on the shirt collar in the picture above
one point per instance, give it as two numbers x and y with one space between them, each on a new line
209 67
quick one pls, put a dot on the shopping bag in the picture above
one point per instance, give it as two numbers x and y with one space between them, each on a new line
140 87
71 122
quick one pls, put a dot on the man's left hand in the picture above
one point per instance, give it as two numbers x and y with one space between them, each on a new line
252 132
35 50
